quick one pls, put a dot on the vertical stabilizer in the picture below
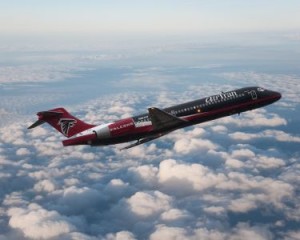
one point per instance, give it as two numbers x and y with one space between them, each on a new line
62 121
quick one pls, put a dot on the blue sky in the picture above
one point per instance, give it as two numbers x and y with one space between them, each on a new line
40 17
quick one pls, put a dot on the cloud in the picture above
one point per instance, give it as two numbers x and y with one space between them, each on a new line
269 190
164 232
292 235
22 152
44 186
175 214
195 183
256 118
34 73
188 178
241 231
149 204
272 134
286 84
184 146
38 223
244 231
123 235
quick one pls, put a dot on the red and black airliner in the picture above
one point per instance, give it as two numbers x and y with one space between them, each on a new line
157 122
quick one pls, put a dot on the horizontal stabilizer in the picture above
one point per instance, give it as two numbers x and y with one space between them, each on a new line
37 123
161 119
42 116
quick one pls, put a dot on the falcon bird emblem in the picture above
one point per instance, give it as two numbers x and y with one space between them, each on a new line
66 124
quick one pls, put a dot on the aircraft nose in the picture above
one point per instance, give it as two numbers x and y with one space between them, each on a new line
277 95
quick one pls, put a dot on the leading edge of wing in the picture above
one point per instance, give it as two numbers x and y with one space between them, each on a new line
161 119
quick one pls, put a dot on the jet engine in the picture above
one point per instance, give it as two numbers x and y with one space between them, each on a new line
102 131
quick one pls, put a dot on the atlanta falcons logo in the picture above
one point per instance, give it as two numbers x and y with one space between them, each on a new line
66 124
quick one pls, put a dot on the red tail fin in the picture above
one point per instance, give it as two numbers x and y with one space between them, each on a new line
62 121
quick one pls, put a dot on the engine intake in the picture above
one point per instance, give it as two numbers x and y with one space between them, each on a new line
102 131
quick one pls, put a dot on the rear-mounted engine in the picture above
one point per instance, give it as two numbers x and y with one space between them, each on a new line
118 128
102 131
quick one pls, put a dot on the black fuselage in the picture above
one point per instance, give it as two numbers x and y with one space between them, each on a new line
157 122
205 109
223 104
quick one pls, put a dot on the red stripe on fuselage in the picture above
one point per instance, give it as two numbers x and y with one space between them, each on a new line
236 107
122 133
204 116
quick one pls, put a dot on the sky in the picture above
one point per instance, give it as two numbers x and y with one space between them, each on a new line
136 17
233 178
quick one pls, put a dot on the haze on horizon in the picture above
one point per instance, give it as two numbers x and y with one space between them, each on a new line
152 17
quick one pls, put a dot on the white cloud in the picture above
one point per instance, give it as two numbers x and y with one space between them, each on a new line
244 231
292 235
22 152
80 199
256 118
187 184
149 204
215 210
276 134
288 85
267 162
219 129
34 73
38 223
189 145
234 163
269 191
44 185
168 233
145 174
243 204
123 235
116 188
241 231
203 233
174 215
182 178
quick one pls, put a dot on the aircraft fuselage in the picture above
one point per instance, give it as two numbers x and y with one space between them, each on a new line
158 122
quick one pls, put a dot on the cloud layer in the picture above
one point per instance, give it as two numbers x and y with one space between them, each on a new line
219 180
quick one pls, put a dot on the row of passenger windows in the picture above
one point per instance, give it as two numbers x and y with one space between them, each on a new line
197 108
210 103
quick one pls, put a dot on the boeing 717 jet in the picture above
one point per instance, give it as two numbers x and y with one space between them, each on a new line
157 122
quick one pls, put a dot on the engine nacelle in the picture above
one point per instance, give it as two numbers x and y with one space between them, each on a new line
102 131
114 129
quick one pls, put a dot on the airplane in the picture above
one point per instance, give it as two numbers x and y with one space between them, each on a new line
157 122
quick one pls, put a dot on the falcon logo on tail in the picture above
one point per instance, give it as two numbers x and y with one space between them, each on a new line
66 124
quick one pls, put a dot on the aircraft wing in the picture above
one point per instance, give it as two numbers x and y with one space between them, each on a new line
161 119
